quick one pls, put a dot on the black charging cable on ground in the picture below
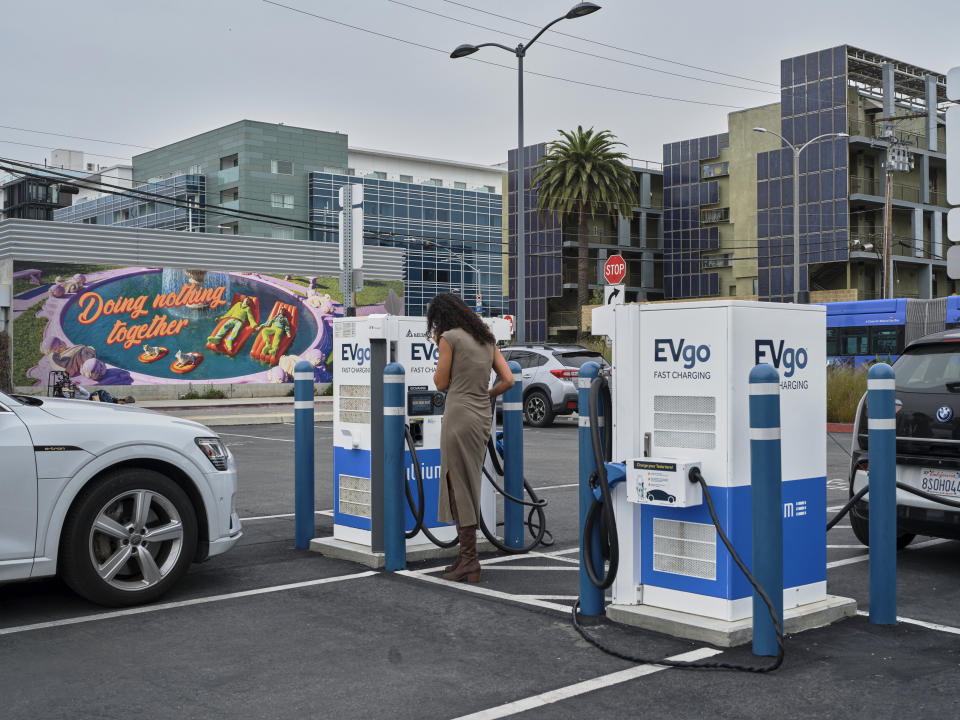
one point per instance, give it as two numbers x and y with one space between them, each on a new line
538 531
600 390
902 486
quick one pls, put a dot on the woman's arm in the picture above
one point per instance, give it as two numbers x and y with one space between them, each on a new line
441 376
504 375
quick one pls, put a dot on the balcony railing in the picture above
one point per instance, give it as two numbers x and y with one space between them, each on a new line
562 318
230 175
875 186
876 129
902 245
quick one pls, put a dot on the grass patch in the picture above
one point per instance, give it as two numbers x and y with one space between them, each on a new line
28 331
845 387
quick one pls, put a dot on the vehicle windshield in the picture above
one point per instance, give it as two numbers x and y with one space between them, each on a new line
577 358
929 368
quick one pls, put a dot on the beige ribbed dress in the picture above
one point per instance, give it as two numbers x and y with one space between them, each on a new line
466 425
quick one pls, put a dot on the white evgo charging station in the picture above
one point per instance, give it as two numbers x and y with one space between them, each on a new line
362 347
679 390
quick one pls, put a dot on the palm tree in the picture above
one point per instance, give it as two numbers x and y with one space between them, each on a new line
583 173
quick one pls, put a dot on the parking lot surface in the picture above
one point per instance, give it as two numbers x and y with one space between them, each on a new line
270 631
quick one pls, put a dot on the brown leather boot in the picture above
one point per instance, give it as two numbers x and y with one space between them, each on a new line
456 520
469 567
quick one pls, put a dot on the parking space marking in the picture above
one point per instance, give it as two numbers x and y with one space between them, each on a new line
183 603
866 556
487 592
845 547
557 487
255 437
580 688
922 623
568 568
328 513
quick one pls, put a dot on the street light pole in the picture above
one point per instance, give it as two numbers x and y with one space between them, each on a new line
577 11
796 201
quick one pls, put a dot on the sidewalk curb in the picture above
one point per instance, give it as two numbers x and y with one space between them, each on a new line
250 418
839 427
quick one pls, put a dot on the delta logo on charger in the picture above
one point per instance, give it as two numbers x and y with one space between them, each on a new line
689 354
786 360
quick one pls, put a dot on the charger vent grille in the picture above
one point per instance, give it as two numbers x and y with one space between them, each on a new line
685 548
344 329
685 421
353 404
354 496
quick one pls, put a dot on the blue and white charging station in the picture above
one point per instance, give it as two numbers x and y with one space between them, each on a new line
362 347
679 383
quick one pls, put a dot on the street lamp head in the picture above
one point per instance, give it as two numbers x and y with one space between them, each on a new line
463 51
581 9
760 129
842 135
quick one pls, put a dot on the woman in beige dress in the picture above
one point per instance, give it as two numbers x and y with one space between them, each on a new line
468 352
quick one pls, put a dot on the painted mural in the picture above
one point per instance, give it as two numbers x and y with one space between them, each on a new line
151 326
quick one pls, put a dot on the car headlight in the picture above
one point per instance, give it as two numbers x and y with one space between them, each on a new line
214 450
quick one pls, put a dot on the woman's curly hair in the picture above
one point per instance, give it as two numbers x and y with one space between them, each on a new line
448 312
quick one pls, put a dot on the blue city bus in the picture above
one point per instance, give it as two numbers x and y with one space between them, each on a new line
867 331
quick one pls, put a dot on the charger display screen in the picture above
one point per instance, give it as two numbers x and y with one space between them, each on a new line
421 401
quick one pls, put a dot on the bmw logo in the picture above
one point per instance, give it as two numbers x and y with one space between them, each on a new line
944 413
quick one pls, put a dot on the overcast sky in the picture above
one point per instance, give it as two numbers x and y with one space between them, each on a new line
150 73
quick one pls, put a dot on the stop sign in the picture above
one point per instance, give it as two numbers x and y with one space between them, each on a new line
615 269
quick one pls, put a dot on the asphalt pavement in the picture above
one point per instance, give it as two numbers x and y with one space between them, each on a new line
270 631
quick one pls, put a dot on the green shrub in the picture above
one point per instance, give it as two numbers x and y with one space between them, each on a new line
190 395
327 391
845 387
213 394
597 344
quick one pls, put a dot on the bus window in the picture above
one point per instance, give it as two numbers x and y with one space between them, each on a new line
833 341
855 341
886 341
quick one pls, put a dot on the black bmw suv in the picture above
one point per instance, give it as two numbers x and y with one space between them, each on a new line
928 441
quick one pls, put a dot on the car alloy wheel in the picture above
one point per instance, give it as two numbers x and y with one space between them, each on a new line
537 410
136 540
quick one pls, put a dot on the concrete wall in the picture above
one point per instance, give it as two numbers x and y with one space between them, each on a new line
741 235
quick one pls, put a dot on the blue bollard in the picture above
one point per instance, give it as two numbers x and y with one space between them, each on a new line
766 498
882 453
394 468
591 597
513 459
303 454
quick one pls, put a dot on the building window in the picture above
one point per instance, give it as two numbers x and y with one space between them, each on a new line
376 175
281 200
406 178
121 215
490 188
230 161
147 208
281 167
195 170
713 170
715 216
282 233
717 261
229 228
90 220
460 185
229 195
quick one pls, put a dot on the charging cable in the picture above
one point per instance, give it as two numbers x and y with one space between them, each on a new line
600 391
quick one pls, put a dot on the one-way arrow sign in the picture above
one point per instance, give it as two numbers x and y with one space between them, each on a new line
614 295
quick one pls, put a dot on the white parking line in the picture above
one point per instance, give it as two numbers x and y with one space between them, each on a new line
182 603
532 567
866 556
470 588
922 623
328 513
564 693
557 487
256 437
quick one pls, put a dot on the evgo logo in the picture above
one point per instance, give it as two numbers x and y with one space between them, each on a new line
791 359
665 349
355 353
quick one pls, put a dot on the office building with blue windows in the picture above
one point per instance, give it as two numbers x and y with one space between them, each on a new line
452 237
729 198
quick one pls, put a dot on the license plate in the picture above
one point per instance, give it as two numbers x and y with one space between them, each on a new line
937 481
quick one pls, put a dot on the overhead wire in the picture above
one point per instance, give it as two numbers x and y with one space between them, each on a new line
582 52
500 65
612 47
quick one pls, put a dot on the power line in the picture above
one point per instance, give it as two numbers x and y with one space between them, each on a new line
613 47
50 147
582 52
487 62
75 137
